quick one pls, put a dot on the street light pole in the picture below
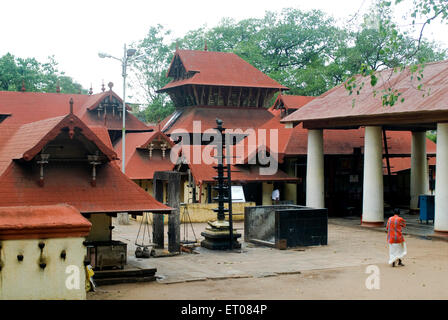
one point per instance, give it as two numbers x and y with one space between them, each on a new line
123 131
124 62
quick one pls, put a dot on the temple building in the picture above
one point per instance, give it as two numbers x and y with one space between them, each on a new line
416 113
57 148
209 85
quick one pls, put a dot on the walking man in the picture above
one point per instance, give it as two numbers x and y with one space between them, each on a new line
397 245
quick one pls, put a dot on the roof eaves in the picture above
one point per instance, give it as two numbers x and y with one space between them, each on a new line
71 121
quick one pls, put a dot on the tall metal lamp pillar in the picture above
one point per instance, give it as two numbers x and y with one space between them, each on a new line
219 235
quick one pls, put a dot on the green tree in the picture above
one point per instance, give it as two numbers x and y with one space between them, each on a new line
303 50
397 49
150 74
34 75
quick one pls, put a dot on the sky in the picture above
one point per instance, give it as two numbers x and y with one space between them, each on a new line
76 31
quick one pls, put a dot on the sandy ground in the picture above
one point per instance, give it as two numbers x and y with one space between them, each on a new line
424 276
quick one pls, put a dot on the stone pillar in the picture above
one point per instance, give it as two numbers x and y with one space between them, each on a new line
173 190
373 193
441 194
419 168
315 196
157 219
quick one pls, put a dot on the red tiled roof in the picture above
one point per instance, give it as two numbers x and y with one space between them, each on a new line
291 101
26 107
138 164
103 134
219 69
294 141
42 222
30 138
233 118
243 174
65 182
402 163
336 104
70 183
204 171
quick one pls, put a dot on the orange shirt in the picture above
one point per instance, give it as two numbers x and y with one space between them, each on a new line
394 226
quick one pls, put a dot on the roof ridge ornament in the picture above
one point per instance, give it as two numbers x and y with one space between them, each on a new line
23 89
103 88
71 105
110 85
90 90
58 88
205 45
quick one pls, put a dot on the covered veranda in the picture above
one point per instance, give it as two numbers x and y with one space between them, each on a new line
422 105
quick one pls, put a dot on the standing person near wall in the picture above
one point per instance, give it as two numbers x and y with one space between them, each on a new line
397 245
275 195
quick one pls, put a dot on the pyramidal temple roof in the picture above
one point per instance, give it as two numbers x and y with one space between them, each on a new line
217 69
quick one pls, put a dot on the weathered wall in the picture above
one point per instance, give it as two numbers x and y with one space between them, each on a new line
203 212
26 280
267 193
290 188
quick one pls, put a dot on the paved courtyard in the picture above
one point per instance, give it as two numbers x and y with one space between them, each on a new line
335 271
348 245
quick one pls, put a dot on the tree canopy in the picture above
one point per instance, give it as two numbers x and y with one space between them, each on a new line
304 50
34 76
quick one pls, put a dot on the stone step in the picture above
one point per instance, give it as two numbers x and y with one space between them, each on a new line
126 273
109 281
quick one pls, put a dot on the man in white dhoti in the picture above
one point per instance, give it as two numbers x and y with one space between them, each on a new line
397 245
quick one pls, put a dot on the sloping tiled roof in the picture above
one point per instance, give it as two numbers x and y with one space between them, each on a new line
70 183
402 163
291 101
103 134
65 182
204 171
41 222
243 174
30 138
138 164
336 104
294 141
26 107
233 117
219 69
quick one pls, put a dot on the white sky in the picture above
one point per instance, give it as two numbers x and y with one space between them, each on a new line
75 31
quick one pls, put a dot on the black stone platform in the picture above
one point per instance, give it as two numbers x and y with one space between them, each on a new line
220 240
